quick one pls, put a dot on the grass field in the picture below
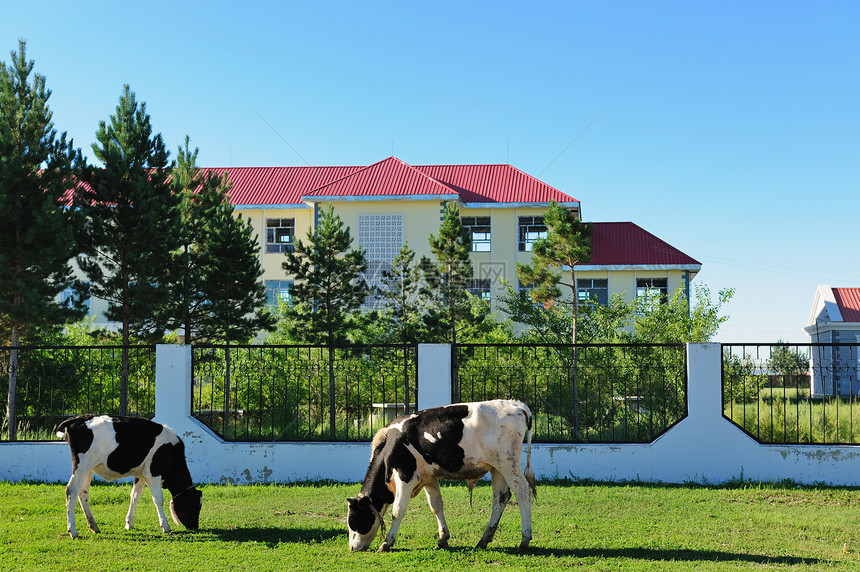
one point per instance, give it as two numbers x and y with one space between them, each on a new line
576 525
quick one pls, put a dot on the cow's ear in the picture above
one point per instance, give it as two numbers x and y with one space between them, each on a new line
364 502
352 501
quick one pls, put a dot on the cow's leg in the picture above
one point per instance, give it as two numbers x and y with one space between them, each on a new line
403 492
158 500
72 490
520 485
84 499
136 493
501 496
434 499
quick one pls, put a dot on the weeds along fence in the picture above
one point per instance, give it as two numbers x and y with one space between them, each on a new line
606 393
793 393
302 393
53 383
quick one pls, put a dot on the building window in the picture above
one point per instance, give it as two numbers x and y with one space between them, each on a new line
280 234
478 229
380 236
67 297
531 228
593 291
479 287
278 292
655 289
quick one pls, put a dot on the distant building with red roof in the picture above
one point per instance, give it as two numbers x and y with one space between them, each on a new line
835 320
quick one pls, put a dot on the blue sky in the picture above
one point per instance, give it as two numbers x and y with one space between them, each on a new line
729 129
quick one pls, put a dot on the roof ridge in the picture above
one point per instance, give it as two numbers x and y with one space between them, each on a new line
392 158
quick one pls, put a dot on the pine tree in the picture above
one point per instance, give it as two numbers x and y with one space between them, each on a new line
404 298
568 243
328 291
233 294
37 238
450 274
134 227
220 295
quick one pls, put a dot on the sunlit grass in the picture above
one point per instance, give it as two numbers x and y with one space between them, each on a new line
582 525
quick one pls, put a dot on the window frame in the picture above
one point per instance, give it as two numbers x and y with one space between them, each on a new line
479 230
587 299
529 230
273 245
276 292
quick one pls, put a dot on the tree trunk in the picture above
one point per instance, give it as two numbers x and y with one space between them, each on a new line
574 365
123 382
226 421
331 399
11 414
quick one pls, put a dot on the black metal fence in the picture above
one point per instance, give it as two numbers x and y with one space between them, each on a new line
302 393
54 383
608 393
793 393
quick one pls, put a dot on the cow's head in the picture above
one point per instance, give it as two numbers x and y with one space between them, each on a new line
185 508
363 521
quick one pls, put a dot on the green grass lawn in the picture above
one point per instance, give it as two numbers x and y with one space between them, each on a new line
576 525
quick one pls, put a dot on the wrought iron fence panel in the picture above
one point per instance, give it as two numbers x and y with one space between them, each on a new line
603 393
793 393
302 393
53 383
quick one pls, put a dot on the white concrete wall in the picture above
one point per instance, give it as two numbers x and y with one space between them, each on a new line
703 448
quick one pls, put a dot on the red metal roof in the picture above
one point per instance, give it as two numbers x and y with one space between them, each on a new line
626 244
254 186
494 184
848 300
279 185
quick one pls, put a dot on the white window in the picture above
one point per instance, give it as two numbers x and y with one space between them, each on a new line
480 287
531 228
654 290
478 229
593 291
278 292
280 234
67 296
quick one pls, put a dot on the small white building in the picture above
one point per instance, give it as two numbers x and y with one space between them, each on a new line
835 324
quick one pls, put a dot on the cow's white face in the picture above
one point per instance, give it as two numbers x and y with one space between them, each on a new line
363 522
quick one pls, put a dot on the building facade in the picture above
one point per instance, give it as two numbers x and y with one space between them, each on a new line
391 203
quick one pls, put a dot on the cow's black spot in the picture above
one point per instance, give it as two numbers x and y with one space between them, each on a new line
80 438
162 460
135 437
400 459
445 426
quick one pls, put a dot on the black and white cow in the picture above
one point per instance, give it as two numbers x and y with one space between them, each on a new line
117 447
457 442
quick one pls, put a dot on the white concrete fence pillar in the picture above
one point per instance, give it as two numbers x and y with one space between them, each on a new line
434 375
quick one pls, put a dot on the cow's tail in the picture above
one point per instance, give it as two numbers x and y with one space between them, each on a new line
62 427
529 473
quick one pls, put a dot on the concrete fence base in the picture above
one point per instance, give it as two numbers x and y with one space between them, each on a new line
703 448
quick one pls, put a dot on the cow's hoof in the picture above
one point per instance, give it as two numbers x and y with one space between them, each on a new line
524 545
73 535
482 544
442 543
384 547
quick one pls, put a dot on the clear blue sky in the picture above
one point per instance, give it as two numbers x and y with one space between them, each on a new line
729 129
